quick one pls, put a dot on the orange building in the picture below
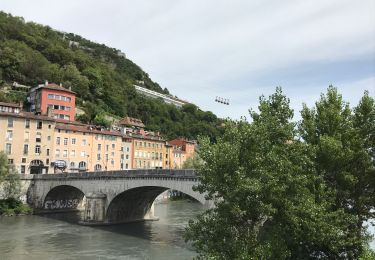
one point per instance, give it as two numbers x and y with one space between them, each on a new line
54 98
182 150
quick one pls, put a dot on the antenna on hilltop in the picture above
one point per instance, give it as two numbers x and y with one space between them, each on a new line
224 101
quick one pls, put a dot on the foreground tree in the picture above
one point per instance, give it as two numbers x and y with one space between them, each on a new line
270 203
344 141
9 179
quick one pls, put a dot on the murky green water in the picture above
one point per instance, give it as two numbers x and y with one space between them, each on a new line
59 237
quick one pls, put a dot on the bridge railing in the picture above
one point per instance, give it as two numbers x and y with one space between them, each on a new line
155 173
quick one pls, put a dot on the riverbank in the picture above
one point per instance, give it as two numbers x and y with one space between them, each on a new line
14 207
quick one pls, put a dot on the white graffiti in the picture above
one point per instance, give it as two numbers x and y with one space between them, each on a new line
61 204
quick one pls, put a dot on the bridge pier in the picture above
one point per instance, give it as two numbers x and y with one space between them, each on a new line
95 209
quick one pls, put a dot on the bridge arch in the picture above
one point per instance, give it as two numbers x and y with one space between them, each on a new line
135 203
64 197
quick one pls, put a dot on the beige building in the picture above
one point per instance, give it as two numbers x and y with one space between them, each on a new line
79 147
27 139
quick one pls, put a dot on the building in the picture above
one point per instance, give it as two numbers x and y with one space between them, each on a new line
182 149
80 147
166 98
27 139
126 153
54 98
147 147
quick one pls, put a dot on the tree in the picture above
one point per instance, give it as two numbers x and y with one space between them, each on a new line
9 179
344 143
269 201
193 162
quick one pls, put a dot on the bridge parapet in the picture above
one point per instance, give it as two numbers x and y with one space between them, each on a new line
148 173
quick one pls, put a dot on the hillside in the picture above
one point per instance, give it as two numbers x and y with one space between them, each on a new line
101 76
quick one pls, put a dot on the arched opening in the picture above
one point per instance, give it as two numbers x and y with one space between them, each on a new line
98 167
37 167
82 166
134 204
64 197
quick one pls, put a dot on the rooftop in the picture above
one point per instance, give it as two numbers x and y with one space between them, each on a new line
54 86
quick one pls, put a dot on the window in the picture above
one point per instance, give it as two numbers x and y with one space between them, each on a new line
65 141
10 122
126 166
23 160
73 153
149 144
107 147
106 157
10 161
98 157
73 141
127 149
161 156
57 153
8 148
127 156
82 165
25 149
58 140
39 125
65 153
122 157
136 154
38 138
148 155
99 147
49 126
144 144
47 152
9 135
84 142
113 153
47 161
153 155
140 144
98 167
68 99
27 123
72 165
26 136
113 146
83 154
37 149
112 162
51 96
23 169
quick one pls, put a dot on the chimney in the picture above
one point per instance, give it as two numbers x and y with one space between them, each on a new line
70 88
21 105
60 84
46 83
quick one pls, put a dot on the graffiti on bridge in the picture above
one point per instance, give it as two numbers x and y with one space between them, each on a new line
62 204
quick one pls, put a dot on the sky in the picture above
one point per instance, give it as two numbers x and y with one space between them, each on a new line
234 49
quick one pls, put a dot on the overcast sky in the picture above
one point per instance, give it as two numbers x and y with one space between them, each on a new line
233 49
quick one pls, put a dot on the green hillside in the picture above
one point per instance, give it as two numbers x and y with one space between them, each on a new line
103 79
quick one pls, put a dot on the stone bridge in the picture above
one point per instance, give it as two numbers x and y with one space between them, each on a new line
108 197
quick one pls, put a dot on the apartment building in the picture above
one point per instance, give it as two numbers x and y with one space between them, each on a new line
182 149
27 139
49 96
80 147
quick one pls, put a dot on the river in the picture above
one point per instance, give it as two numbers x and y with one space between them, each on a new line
58 236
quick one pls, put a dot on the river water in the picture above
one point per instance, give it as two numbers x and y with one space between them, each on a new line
58 236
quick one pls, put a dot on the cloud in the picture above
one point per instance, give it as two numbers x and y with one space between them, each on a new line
237 49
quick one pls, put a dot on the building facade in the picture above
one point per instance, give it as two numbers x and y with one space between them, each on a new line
54 98
27 139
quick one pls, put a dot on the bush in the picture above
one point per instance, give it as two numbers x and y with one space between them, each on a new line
11 206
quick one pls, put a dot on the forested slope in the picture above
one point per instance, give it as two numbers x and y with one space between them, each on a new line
103 79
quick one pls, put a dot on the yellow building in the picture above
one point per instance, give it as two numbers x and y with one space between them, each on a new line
27 139
79 147
147 152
